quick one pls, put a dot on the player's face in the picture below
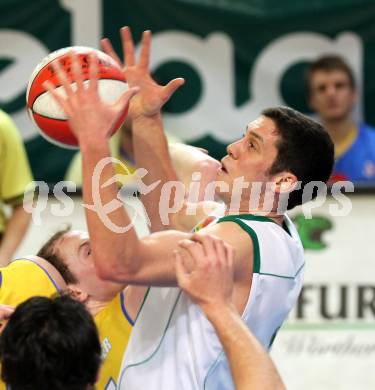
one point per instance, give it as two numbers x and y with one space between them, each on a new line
250 157
75 249
332 95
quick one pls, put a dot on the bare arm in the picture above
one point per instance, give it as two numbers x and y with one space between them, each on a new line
117 252
251 366
209 282
165 209
14 233
149 141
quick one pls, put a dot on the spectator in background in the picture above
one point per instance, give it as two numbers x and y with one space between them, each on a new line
50 343
332 93
15 175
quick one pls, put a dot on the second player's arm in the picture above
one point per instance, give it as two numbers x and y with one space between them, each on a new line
250 364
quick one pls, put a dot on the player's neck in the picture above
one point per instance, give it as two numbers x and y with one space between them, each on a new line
94 306
272 214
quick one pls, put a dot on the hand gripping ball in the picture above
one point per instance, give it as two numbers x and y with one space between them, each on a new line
45 112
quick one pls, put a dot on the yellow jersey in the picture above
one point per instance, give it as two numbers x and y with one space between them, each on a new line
21 280
114 327
15 172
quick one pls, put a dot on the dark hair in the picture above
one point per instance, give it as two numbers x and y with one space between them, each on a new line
49 252
304 149
50 343
328 63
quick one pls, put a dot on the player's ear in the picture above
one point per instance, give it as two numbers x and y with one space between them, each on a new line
76 293
285 182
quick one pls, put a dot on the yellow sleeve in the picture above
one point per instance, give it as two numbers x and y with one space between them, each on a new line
15 172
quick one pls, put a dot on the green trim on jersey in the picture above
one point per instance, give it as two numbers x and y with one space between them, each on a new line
284 276
142 304
251 232
160 342
252 217
260 218
213 366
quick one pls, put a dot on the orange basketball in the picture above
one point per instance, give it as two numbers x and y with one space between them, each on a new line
45 112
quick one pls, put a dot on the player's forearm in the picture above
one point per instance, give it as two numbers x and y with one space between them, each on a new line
151 152
113 245
14 233
250 365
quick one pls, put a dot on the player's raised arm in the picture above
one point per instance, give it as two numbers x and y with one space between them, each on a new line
91 120
150 144
118 253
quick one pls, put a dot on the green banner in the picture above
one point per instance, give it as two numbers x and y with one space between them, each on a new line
238 57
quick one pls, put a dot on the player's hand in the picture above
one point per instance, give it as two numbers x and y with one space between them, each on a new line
152 96
208 278
89 117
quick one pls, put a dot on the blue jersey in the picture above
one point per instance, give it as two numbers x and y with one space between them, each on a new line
357 164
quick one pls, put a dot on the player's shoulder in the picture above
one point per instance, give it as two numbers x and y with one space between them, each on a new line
233 230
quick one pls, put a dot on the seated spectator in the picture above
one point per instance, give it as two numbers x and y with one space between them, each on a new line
332 94
15 175
50 343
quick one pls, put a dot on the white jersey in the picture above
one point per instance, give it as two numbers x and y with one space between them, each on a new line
173 345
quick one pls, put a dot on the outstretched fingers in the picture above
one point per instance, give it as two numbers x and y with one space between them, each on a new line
63 78
144 58
171 87
77 71
93 73
128 46
107 47
61 101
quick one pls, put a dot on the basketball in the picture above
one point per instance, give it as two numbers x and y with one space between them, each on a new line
45 112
